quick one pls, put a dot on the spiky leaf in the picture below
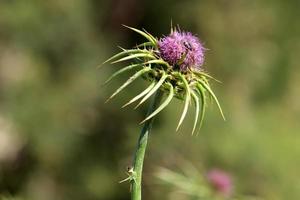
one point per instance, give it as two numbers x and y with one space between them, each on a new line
201 91
136 55
212 95
143 93
123 70
197 106
130 80
124 53
154 89
146 35
186 101
163 105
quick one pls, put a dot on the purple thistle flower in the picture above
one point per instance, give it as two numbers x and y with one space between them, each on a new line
182 49
221 181
173 65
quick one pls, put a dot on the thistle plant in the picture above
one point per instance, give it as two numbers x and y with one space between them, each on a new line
173 66
216 184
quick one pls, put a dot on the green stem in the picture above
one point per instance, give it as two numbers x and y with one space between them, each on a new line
136 186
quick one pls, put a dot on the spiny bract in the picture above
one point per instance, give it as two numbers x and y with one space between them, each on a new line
171 64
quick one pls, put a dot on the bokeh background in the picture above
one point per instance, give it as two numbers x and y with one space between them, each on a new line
58 140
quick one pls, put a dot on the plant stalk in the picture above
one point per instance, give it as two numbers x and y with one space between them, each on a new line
136 185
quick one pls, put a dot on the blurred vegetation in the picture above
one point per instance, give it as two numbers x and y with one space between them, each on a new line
58 140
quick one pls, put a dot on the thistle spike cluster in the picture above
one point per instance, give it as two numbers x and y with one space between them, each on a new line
172 64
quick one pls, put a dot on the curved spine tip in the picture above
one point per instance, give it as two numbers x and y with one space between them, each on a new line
186 102
130 80
123 70
213 96
197 105
143 93
163 105
154 89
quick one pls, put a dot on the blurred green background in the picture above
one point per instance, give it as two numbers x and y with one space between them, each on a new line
58 140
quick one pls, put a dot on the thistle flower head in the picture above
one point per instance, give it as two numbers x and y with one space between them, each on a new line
172 64
182 49
221 181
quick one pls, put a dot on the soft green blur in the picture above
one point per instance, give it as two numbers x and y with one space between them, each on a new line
58 140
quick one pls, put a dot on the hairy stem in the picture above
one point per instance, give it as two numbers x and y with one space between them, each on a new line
136 185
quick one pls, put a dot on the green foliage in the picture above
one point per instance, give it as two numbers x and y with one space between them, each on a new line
75 147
